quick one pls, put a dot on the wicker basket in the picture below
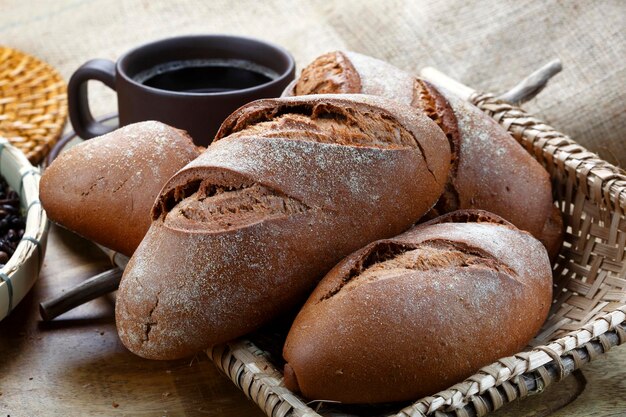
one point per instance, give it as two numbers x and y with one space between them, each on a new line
22 270
33 103
588 316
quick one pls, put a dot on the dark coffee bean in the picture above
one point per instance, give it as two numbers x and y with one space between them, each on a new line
16 222
9 208
12 223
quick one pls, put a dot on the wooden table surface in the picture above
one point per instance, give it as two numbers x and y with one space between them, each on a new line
76 366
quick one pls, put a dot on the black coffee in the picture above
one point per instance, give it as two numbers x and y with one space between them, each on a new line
206 75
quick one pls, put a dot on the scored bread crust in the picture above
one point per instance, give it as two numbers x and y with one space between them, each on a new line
243 233
489 170
496 174
104 188
405 317
333 74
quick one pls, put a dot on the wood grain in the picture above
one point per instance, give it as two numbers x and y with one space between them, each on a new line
75 365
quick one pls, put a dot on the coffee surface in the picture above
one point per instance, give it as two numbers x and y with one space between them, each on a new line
206 75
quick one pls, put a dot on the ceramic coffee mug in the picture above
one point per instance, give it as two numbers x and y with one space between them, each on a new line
190 82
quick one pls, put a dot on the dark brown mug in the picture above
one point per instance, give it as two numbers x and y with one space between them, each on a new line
199 113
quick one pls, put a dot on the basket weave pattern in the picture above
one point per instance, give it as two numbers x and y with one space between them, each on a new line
588 316
590 273
33 103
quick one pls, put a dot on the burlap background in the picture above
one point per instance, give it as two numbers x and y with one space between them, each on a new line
485 44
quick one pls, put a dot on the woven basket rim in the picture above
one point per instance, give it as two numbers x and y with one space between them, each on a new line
602 179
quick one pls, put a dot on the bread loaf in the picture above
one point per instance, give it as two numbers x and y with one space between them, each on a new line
489 170
104 188
288 188
405 317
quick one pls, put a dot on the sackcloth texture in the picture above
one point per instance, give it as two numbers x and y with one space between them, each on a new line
488 45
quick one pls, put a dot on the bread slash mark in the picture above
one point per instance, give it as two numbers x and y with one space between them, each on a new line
387 258
219 207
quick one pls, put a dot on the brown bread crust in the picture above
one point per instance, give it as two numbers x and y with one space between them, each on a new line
468 216
405 317
333 74
496 174
489 170
246 230
553 233
104 188
434 105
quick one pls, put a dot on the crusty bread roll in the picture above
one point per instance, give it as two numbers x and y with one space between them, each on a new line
405 317
489 170
104 188
287 189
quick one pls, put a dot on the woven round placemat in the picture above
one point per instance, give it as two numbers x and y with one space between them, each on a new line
33 103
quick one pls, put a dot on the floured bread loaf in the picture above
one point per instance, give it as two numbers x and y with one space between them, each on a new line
405 317
288 188
104 188
489 170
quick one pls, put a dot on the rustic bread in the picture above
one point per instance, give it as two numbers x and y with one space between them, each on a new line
288 188
104 188
489 170
405 317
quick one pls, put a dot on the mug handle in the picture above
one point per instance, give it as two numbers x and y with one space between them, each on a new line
82 121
